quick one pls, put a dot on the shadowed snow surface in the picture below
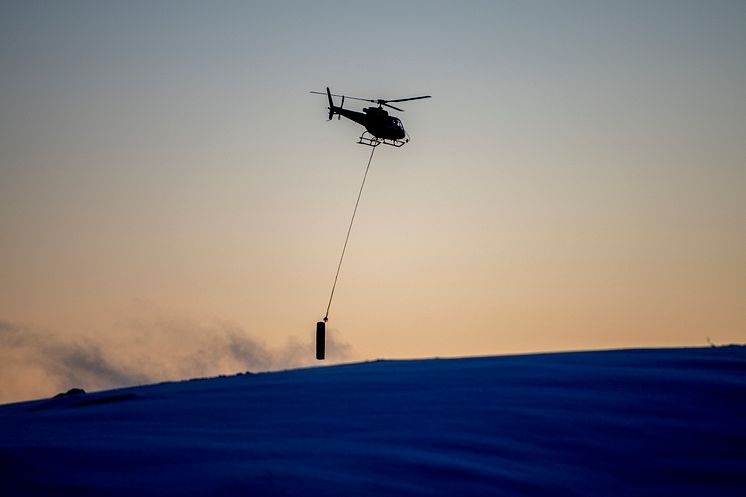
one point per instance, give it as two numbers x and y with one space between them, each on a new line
657 422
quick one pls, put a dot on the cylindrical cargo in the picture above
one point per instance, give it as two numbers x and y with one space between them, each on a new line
320 340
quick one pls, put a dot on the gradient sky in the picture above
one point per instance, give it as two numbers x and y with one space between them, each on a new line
577 181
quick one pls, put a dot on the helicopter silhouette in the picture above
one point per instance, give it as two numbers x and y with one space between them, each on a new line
380 127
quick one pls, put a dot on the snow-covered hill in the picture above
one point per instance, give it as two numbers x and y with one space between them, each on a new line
657 422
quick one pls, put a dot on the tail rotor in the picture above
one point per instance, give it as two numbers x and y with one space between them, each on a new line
332 108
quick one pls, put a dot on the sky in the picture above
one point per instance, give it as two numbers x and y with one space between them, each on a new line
173 202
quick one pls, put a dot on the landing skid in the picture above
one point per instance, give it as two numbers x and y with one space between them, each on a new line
373 141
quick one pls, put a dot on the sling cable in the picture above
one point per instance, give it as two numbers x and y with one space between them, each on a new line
321 325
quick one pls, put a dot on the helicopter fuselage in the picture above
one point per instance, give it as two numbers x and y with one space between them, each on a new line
377 121
379 125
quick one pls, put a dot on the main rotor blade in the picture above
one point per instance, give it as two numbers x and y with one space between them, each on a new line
406 99
379 101
363 99
346 96
324 93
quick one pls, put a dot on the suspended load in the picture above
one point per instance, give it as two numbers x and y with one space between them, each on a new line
320 340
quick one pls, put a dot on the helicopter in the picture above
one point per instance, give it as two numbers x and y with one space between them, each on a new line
380 127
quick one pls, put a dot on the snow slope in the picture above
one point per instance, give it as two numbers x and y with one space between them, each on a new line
663 422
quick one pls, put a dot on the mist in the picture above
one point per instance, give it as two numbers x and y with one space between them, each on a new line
37 362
